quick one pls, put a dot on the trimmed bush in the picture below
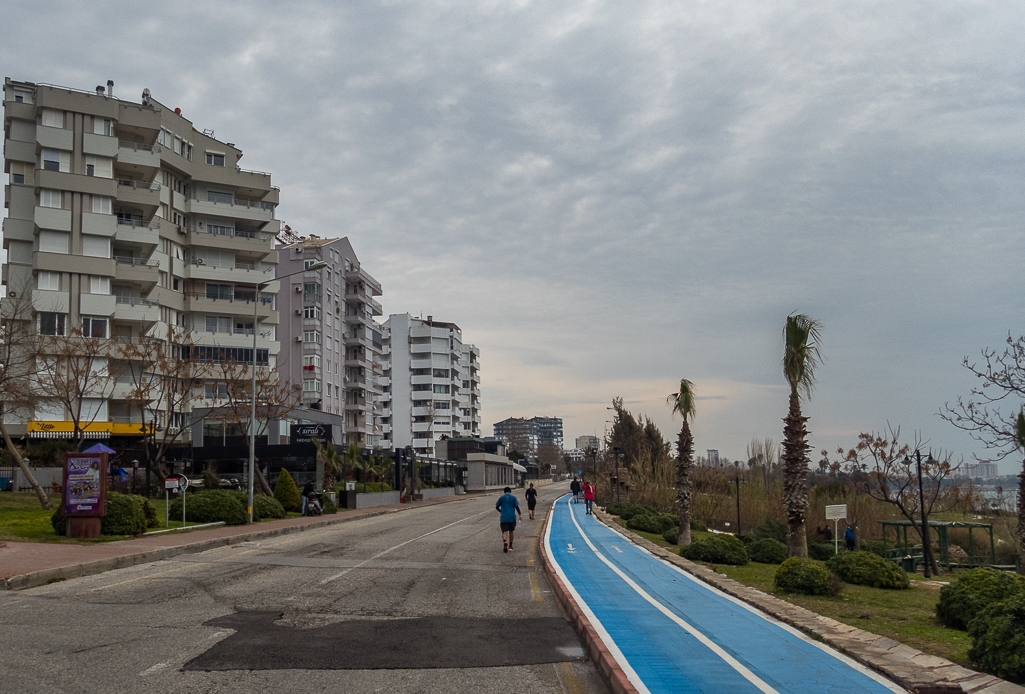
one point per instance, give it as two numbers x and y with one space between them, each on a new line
976 590
212 506
329 506
672 536
287 493
653 523
998 639
125 515
58 520
150 513
820 551
265 507
717 549
867 569
372 487
627 510
767 551
805 576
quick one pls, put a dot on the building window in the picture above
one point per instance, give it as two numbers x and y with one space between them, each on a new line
94 326
441 373
52 323
216 391
103 204
49 197
307 264
220 291
99 285
311 292
49 280
52 159
441 389
218 324
220 196
101 167
53 118
53 241
214 159
311 312
311 362
96 246
220 229
421 387
103 126
311 385
311 336
442 405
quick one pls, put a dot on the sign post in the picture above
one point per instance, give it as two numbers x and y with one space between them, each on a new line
85 493
175 482
836 514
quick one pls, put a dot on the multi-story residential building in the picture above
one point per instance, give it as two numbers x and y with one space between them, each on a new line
549 431
519 435
469 392
329 340
587 442
124 221
422 383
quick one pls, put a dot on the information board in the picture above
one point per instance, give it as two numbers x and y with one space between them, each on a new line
85 484
838 512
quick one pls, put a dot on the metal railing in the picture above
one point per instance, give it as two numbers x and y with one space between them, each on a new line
125 260
137 146
139 185
134 301
236 202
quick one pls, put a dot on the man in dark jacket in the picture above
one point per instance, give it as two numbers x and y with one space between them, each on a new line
574 487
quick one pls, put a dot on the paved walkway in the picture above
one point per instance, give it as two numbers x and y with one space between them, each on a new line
655 622
29 564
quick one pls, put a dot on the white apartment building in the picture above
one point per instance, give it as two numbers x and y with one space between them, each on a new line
124 220
430 383
329 340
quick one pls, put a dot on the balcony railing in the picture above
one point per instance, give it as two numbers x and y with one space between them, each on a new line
263 268
137 146
139 185
125 260
138 222
134 301
235 233
237 202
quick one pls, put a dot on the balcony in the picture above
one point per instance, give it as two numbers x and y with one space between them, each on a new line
241 273
252 210
233 239
142 193
195 301
138 154
137 270
136 231
136 310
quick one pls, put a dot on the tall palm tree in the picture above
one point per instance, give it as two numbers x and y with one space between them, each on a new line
800 358
683 402
1019 439
332 462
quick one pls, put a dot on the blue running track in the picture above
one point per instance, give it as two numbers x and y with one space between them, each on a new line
670 632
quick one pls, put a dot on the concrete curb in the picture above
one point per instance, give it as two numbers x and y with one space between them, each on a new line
596 648
910 668
42 577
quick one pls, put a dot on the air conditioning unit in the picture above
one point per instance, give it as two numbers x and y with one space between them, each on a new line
298 338
298 249
181 230
298 288
298 312
199 261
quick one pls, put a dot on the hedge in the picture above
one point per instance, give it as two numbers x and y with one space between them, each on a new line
868 569
976 590
717 549
806 576
287 493
767 551
998 638
213 506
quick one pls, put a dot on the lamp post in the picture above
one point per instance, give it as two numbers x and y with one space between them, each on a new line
736 479
257 286
926 547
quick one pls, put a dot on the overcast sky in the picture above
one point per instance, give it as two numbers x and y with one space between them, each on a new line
609 196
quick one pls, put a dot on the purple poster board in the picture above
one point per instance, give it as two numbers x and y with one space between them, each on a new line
85 484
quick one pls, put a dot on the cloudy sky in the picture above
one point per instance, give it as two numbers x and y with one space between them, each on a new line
610 196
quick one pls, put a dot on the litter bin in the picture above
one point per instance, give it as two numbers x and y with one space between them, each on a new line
909 564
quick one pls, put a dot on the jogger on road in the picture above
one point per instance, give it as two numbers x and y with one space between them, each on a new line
509 507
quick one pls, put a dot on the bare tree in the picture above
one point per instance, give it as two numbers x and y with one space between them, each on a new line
17 373
880 466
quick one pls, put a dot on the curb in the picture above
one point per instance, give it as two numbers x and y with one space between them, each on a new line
90 568
604 661
910 668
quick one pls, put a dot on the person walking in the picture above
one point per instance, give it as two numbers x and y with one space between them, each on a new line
589 497
307 491
531 495
574 487
509 507
848 538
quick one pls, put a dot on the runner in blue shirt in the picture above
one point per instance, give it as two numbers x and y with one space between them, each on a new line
509 508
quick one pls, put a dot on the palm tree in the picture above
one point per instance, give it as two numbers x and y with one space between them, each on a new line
332 462
351 458
800 357
1019 440
683 402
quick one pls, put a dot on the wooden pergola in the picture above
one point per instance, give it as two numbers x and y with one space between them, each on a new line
902 545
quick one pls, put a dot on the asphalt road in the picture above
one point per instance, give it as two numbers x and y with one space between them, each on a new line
418 601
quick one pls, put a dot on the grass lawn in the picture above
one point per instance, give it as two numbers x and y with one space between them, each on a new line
908 616
22 520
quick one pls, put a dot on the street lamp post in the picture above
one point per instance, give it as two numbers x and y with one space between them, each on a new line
926 548
257 286
736 479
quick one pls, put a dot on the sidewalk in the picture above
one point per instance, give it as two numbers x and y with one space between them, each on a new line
30 564
910 668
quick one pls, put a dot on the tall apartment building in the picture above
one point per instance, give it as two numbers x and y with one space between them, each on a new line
329 340
525 435
124 220
430 383
587 442
549 431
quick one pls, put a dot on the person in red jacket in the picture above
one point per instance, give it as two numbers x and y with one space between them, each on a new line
589 497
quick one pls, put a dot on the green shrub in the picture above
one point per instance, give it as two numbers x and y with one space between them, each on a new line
746 538
717 549
287 493
150 512
867 569
698 524
58 520
806 576
372 487
767 551
212 506
998 638
628 511
653 523
777 530
125 515
329 506
820 551
876 547
265 507
976 590
672 536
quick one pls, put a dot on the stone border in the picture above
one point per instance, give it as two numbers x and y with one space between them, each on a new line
603 660
917 672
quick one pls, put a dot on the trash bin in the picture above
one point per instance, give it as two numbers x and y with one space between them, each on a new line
909 564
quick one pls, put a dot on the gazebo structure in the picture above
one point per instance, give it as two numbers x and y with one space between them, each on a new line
903 547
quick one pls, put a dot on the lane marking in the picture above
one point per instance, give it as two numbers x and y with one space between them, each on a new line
568 677
596 624
704 640
617 549
535 588
401 544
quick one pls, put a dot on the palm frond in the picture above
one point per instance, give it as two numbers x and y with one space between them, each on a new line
801 352
684 400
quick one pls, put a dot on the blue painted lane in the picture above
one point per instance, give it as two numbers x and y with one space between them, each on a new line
673 633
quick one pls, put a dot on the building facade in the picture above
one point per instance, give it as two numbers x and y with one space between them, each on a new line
330 342
430 383
587 442
126 223
526 435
